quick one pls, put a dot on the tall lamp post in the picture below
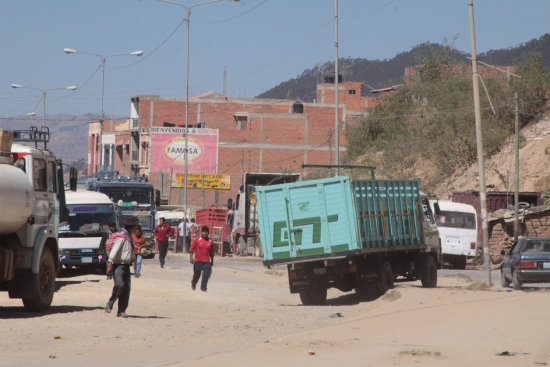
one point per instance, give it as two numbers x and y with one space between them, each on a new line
187 20
103 59
44 92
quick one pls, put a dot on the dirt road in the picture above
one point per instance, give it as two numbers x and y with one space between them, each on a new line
249 318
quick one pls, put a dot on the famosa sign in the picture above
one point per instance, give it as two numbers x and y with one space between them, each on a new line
168 150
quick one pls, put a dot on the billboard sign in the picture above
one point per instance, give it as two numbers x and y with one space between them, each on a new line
195 181
168 150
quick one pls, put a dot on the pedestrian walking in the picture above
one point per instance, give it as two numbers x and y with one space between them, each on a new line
189 233
182 228
140 243
120 259
107 242
163 232
203 248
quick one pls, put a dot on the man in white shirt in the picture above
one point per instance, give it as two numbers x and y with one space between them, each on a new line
189 233
119 262
181 234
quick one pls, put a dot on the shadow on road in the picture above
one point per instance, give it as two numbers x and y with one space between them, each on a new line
61 283
15 312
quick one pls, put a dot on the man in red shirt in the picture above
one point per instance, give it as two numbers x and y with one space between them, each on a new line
163 232
203 247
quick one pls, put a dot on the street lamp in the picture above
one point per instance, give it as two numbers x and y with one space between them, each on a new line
103 59
15 86
187 20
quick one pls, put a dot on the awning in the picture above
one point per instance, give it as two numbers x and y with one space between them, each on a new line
123 139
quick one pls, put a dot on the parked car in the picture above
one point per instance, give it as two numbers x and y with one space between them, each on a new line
528 261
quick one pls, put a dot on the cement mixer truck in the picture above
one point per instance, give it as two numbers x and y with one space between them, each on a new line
32 205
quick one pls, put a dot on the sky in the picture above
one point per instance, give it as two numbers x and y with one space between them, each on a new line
260 43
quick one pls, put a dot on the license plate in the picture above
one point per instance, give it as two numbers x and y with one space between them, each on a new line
87 250
320 271
546 265
86 260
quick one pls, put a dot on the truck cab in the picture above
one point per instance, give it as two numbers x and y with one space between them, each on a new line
243 218
31 186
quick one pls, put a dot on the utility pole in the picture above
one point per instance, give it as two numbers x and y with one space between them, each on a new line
516 153
479 141
336 118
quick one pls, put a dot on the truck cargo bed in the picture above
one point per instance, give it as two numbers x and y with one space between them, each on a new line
334 218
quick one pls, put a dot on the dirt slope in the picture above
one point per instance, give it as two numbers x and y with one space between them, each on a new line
534 165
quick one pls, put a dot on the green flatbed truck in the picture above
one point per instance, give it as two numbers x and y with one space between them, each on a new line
350 235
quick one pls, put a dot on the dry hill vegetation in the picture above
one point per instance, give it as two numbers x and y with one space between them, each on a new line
426 128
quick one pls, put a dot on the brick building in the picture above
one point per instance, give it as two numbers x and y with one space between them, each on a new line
254 135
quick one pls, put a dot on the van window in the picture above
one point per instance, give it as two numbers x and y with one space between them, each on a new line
456 220
52 187
39 174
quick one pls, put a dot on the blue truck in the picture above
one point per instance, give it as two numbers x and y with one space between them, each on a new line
131 196
350 235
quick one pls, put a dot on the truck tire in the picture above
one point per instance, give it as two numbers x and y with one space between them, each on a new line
305 297
503 281
315 296
43 284
385 278
460 262
258 251
429 272
241 246
516 283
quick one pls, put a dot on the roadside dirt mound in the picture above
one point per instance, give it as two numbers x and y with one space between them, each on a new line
534 165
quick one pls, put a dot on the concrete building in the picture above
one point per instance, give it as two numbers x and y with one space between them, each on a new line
253 135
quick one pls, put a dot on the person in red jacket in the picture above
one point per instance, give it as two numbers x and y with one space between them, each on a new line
203 248
163 232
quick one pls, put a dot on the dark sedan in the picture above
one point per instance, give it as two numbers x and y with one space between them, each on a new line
528 261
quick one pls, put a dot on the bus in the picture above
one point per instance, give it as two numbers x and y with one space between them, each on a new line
80 240
457 225
132 195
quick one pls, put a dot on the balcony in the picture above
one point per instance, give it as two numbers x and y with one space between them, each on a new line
134 124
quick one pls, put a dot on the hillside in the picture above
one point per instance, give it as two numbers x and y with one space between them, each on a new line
379 74
534 164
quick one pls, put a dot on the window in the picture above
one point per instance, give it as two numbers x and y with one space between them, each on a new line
241 120
20 163
297 107
351 91
39 174
52 187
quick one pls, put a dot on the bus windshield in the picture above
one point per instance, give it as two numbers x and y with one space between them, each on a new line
87 220
128 194
456 220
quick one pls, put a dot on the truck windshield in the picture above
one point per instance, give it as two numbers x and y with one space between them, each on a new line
456 220
128 194
88 220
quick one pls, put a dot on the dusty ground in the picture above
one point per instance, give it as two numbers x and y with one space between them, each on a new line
249 318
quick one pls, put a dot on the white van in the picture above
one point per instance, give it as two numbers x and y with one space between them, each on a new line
80 239
457 225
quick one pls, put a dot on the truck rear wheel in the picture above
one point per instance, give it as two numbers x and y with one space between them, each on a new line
43 284
315 296
385 278
241 247
429 272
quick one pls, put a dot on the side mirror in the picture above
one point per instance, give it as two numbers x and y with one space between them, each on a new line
73 174
436 208
229 203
